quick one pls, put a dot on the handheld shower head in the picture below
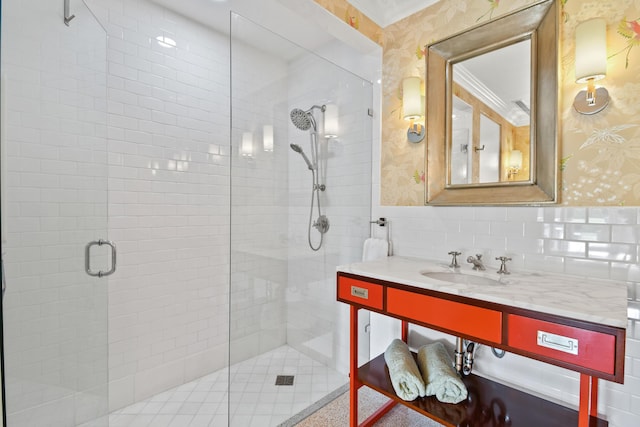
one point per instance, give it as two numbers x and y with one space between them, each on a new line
298 149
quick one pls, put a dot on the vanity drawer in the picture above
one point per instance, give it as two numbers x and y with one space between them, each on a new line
580 347
465 319
360 292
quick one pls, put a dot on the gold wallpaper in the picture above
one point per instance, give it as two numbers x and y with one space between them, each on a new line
600 153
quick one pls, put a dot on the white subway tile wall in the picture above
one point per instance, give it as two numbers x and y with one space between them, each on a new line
54 202
282 290
168 130
590 242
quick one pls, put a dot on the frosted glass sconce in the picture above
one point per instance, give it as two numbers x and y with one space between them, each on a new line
591 65
331 121
267 137
246 148
412 108
515 163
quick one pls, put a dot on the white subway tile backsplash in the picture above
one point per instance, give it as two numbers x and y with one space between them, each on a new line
609 215
565 248
564 214
588 268
612 252
625 234
588 232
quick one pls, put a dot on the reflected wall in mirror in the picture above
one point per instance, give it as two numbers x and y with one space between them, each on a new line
492 109
491 101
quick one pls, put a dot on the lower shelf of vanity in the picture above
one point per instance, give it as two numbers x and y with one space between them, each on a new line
489 403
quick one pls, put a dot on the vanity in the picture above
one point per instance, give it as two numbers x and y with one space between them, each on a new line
572 322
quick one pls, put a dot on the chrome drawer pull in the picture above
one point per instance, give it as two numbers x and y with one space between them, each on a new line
359 292
558 342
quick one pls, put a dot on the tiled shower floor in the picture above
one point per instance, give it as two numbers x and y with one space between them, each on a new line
255 399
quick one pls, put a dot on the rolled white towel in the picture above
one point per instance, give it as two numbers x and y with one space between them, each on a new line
403 370
439 376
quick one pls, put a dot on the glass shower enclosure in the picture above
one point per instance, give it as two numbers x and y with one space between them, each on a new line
300 206
290 172
54 204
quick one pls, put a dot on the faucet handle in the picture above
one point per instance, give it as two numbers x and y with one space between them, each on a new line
503 264
454 259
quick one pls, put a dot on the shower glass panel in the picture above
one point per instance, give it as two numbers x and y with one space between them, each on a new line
289 342
54 202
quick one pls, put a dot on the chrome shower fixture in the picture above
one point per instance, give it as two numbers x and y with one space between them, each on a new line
304 120
298 149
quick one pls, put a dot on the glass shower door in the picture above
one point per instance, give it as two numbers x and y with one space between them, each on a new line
289 342
54 202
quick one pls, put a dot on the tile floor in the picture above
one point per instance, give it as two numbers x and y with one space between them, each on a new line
255 399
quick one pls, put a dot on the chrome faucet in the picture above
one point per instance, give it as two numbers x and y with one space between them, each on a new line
503 264
477 262
454 259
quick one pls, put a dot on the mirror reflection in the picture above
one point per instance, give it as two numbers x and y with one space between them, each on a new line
490 117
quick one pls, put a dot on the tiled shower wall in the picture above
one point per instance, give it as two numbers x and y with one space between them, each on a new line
586 241
168 133
54 159
316 325
259 195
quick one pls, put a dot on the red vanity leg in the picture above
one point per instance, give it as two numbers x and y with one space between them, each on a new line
405 331
588 399
594 397
354 383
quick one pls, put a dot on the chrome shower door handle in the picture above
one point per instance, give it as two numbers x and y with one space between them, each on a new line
87 258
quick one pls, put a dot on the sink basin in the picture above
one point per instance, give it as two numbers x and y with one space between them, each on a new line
460 278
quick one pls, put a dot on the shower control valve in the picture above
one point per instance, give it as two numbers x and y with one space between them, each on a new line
322 224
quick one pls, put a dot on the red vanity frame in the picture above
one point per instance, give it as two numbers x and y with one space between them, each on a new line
542 336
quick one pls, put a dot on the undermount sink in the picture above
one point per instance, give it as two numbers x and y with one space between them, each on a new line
460 278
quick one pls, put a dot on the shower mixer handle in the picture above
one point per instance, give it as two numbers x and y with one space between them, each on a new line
322 224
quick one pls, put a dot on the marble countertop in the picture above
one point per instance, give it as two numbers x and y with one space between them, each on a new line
593 300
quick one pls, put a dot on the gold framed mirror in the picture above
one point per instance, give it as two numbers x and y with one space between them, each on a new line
492 111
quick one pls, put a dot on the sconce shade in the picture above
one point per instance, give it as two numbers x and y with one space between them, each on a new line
267 138
591 50
246 148
411 98
331 121
515 159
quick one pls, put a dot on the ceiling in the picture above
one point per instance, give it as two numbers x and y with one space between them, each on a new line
386 12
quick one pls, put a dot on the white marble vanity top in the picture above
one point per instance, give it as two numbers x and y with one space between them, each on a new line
593 300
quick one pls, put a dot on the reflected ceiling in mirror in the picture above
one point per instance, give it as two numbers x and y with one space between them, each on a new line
492 111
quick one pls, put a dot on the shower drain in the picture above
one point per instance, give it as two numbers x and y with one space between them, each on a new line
284 380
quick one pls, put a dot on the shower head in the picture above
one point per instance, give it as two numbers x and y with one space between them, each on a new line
302 119
298 149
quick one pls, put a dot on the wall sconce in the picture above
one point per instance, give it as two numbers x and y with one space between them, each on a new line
267 138
246 148
412 108
331 121
515 163
591 65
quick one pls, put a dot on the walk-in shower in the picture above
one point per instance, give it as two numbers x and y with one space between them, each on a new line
139 142
304 120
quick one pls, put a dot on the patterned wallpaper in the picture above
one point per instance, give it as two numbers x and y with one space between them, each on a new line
600 153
